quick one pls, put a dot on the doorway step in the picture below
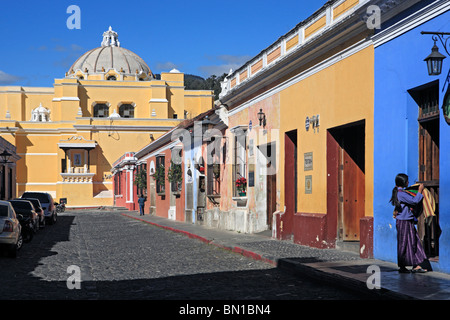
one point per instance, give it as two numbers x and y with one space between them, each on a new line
351 246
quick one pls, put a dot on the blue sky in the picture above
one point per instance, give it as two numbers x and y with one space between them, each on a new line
197 37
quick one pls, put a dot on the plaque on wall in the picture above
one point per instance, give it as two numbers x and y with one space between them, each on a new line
308 162
308 184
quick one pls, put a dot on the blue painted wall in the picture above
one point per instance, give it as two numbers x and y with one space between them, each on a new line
399 67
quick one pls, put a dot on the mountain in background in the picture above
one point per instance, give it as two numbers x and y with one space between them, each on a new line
193 82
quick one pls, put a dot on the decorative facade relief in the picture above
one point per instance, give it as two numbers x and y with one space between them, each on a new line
40 114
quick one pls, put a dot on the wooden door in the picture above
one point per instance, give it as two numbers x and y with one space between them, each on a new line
290 181
428 100
351 180
353 197
271 185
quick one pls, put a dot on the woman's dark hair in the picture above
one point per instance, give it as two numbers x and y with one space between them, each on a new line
401 180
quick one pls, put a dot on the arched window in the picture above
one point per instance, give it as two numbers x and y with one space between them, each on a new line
111 78
126 110
101 110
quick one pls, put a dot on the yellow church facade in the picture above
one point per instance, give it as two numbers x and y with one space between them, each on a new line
109 102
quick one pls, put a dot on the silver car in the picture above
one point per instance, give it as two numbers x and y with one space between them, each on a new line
10 229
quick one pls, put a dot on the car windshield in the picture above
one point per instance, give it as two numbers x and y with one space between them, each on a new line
21 205
3 211
42 197
34 202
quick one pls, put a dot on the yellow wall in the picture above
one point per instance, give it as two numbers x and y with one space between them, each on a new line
39 168
342 93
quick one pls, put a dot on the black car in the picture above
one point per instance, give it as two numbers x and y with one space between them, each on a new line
38 208
47 204
26 209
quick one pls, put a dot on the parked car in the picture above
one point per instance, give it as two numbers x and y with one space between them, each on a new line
47 204
26 209
38 208
10 229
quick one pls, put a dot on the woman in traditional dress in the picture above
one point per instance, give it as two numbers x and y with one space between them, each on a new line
409 248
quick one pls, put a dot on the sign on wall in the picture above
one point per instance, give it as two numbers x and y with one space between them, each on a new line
308 161
308 184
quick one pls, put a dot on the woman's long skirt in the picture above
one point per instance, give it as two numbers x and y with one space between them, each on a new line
409 248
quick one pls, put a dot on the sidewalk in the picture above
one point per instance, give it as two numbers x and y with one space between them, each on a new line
340 267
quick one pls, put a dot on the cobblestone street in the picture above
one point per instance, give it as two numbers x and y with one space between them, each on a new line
122 258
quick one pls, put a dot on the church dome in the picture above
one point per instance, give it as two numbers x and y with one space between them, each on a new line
111 59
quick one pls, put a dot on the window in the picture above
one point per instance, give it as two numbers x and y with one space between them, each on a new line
175 173
213 167
101 110
111 78
4 210
239 157
126 110
160 175
117 183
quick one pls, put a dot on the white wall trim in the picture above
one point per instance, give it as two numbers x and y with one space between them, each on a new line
66 99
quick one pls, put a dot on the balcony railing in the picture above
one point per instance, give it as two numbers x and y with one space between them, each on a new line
79 177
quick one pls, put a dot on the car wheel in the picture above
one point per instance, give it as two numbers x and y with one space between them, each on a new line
19 242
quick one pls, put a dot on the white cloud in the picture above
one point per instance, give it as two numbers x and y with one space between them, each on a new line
6 78
75 47
72 53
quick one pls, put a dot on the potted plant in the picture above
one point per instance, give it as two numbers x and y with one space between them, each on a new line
175 176
241 186
160 176
140 180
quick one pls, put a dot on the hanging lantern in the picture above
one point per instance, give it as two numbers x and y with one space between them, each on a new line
434 61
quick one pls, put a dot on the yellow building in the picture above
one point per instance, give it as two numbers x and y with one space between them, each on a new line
305 107
108 102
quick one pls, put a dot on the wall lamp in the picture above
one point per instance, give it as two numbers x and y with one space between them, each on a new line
435 58
434 64
262 118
